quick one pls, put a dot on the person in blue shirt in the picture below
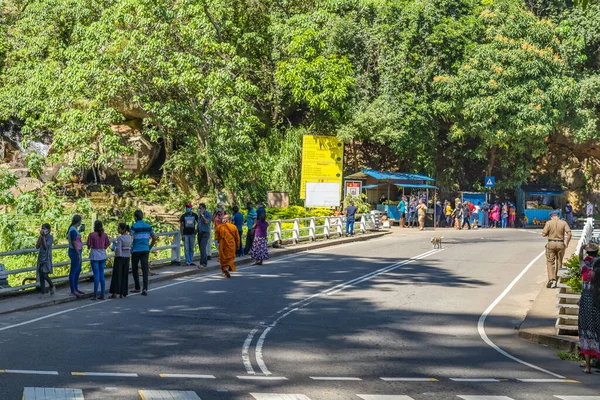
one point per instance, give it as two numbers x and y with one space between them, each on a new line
402 211
144 240
569 214
251 217
238 221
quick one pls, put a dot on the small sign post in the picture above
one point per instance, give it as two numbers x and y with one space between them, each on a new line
490 182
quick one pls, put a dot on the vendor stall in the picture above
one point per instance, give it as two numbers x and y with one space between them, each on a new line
393 185
536 202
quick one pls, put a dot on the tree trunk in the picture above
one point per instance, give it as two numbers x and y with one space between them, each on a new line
492 161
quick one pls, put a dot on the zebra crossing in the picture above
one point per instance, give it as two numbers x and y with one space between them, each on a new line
38 393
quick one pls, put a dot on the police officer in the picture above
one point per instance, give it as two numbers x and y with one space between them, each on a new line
555 231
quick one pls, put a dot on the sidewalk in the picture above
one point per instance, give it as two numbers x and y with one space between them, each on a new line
31 300
539 325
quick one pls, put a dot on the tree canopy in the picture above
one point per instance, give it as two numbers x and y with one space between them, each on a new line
455 89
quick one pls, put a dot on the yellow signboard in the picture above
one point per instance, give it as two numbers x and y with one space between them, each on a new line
322 160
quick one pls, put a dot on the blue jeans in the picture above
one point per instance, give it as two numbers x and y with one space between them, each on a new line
349 227
189 241
98 269
75 256
485 223
504 220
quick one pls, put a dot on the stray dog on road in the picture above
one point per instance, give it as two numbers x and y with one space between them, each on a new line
436 241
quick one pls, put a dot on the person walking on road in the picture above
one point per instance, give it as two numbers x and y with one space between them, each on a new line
421 210
144 240
238 221
44 261
448 211
260 250
589 305
119 283
466 215
204 221
504 215
188 228
75 248
569 214
485 215
412 212
555 230
98 242
439 214
229 242
476 215
495 215
402 211
350 215
250 219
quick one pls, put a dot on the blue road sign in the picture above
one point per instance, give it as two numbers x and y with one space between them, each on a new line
490 181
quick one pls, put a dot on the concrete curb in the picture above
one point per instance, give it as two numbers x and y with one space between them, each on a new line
560 343
191 272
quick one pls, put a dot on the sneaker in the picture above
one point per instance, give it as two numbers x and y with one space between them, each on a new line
144 293
100 297
80 292
549 284
74 294
52 290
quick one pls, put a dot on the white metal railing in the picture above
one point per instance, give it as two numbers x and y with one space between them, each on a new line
586 234
333 226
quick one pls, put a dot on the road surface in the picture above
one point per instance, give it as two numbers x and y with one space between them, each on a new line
386 317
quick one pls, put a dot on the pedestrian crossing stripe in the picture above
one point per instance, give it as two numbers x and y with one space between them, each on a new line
36 393
383 397
168 395
578 397
277 396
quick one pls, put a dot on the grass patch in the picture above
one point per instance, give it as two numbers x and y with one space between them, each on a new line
566 356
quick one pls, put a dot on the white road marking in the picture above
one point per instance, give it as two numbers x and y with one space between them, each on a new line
191 376
578 397
409 379
34 393
335 378
168 395
112 374
262 378
482 318
548 380
277 396
383 397
485 397
308 300
32 372
475 379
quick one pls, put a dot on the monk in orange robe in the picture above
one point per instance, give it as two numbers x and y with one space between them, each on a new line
229 241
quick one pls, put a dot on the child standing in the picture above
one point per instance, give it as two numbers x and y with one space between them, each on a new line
44 262
119 284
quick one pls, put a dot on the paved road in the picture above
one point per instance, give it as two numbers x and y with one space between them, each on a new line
383 317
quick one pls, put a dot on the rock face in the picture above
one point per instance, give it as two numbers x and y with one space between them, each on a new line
145 152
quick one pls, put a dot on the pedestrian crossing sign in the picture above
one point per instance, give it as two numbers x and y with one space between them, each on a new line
490 181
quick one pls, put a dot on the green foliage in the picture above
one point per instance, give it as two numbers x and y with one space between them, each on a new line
8 180
454 89
566 356
573 275
360 202
35 164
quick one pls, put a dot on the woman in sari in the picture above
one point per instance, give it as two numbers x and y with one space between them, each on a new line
589 305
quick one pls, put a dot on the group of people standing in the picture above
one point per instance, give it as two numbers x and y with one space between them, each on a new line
412 212
227 234
492 215
133 245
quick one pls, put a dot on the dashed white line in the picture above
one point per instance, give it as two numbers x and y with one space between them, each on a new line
409 379
32 372
548 380
190 376
335 378
475 379
111 374
262 378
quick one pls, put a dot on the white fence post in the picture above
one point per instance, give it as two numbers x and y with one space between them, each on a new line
338 225
363 224
312 232
327 227
296 232
586 234
176 251
277 234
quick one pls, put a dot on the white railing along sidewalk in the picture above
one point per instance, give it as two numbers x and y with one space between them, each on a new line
586 234
333 226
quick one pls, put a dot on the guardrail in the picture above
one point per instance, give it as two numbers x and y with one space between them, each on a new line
586 234
331 227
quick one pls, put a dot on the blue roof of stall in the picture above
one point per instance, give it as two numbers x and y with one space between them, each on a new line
416 185
387 176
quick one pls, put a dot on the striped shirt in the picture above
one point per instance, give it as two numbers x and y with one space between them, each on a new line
141 232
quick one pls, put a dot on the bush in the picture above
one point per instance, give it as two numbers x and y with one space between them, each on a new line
573 275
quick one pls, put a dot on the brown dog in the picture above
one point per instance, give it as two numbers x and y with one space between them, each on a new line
436 241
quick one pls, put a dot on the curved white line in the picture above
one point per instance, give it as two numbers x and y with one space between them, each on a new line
303 303
482 318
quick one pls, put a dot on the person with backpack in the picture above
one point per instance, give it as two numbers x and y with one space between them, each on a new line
187 226
44 261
